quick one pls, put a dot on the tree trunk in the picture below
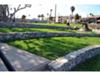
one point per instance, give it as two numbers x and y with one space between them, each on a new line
86 27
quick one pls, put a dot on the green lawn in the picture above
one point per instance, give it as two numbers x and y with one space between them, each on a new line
53 48
7 30
48 24
58 24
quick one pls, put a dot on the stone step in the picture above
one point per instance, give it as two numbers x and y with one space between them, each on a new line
21 60
2 66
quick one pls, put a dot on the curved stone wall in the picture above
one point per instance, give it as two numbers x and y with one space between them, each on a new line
72 59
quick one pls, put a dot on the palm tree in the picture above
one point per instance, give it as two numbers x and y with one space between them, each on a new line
39 16
47 16
50 18
42 16
72 9
91 14
50 12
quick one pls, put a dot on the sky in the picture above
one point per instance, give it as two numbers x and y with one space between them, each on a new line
82 7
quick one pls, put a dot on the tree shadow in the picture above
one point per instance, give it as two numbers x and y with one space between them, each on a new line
92 64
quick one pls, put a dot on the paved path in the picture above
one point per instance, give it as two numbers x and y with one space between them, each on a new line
2 66
20 60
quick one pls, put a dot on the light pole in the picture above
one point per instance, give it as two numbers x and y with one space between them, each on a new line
55 12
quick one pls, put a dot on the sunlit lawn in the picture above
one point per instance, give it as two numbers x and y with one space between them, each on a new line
7 30
59 24
54 47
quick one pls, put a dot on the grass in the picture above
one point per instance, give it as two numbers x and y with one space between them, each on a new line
53 48
7 30
58 24
92 64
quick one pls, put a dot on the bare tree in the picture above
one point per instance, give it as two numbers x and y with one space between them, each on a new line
12 15
5 15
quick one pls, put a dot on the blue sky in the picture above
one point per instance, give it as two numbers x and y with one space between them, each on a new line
86 9
83 7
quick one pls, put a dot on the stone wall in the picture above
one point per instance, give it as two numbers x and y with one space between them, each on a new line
32 35
72 59
17 25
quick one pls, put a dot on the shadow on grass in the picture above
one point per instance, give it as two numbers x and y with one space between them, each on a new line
92 64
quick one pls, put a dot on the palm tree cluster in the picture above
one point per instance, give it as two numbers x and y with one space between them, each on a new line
41 16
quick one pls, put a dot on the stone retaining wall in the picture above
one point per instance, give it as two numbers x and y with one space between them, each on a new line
72 59
21 60
17 25
32 35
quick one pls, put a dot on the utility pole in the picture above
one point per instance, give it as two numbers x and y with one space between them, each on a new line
55 12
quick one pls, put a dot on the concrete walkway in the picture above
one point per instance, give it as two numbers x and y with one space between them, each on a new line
20 60
2 66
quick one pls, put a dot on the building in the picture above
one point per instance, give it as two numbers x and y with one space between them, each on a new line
62 19
93 21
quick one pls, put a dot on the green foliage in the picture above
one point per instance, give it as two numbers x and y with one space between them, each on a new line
77 17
